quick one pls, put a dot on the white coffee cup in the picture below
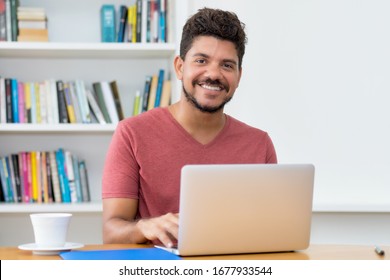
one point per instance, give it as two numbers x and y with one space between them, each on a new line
50 229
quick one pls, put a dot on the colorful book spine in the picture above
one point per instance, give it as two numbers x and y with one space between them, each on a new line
108 23
15 102
64 184
21 103
159 88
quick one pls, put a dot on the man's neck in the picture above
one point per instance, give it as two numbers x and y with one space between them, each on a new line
202 126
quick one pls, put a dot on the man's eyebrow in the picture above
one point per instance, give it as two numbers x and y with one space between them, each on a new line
207 56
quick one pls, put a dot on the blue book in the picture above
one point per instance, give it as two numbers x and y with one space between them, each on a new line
15 100
122 23
159 88
108 23
63 179
121 254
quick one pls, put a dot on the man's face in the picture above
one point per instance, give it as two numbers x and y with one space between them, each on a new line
210 73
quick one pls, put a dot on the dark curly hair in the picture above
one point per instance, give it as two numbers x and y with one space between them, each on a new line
220 24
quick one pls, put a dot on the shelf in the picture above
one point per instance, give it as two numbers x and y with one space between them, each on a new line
351 207
8 208
36 128
86 50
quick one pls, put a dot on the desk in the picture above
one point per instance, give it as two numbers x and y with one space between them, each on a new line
314 252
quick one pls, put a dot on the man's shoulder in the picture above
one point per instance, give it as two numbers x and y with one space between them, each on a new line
238 125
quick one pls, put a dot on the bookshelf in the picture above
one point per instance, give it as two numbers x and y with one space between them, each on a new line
72 53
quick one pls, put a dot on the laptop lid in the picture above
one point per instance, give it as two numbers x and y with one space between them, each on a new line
245 208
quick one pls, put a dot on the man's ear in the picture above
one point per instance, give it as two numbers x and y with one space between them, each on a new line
178 65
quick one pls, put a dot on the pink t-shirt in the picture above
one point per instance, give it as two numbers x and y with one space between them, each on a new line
148 151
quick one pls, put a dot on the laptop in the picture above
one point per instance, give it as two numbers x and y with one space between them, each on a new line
244 208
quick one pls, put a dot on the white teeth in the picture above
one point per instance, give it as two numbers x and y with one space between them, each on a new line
210 87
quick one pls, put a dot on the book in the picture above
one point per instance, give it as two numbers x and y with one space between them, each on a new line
49 180
152 92
4 179
14 19
69 104
38 168
21 101
145 96
23 171
166 94
54 100
44 183
131 24
76 171
34 180
17 174
29 178
33 38
95 107
32 24
3 106
121 254
160 82
108 23
14 101
69 171
37 103
31 13
75 101
54 177
11 174
138 20
83 101
63 179
101 101
117 99
84 181
3 22
62 110
8 100
144 19
109 101
137 102
27 102
162 22
122 23
8 22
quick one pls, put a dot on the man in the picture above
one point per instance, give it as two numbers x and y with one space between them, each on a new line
142 171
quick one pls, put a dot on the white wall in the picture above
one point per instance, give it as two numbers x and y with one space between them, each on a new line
316 77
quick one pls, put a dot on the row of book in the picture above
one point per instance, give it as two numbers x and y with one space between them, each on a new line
156 93
56 101
43 177
145 21
19 23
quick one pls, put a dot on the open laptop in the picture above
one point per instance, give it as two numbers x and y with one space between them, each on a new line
244 208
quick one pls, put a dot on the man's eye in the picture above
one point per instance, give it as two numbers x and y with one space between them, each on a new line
200 61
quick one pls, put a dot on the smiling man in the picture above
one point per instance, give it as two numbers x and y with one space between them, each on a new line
141 180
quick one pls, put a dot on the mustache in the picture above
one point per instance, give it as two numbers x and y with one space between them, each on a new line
210 82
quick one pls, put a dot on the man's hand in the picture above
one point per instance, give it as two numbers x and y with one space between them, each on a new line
163 228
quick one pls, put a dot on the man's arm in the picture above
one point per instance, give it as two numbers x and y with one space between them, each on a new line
120 226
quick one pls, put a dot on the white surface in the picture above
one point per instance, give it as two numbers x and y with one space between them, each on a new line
315 76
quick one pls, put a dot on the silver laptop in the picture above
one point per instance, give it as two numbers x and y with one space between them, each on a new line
244 208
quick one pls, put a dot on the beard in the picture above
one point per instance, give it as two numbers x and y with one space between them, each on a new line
205 109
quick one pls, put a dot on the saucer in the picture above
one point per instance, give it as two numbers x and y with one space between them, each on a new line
48 251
